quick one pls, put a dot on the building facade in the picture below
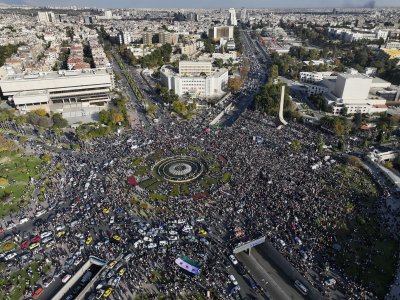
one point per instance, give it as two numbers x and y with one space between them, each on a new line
218 32
71 93
196 79
232 17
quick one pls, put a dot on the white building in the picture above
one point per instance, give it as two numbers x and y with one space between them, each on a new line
225 56
393 45
195 78
232 17
243 15
311 77
46 17
221 32
72 93
352 90
194 68
125 38
108 14
356 92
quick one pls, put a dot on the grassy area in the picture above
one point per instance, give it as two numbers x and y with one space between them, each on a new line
185 189
226 177
8 246
175 190
156 156
17 169
368 253
154 186
145 184
142 170
137 161
156 196
207 182
14 286
215 168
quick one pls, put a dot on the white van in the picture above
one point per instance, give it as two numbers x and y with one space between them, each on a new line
301 287
298 241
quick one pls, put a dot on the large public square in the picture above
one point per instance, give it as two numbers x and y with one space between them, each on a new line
184 190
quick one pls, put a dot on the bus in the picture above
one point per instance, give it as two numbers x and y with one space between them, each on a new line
300 287
37 293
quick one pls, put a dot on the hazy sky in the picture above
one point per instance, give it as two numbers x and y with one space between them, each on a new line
210 3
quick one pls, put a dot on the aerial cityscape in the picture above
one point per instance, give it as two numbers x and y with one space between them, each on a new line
199 150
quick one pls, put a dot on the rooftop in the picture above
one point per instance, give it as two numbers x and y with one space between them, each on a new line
61 73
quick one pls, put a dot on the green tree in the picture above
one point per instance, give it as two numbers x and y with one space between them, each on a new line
341 144
59 121
321 144
296 145
219 63
151 109
357 119
274 71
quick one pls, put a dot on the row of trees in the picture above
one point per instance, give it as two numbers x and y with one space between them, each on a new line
157 58
38 117
268 100
320 103
6 51
184 109
116 115
138 93
352 54
340 126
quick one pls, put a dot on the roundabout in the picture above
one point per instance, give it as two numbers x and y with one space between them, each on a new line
179 169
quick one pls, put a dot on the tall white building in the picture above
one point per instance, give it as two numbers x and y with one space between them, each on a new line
108 14
243 15
46 17
232 17
195 78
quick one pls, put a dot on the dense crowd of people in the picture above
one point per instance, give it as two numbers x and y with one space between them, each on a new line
280 202
292 195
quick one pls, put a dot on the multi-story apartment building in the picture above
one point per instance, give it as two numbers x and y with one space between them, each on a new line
218 32
147 38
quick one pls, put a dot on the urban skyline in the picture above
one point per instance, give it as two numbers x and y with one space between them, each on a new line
208 3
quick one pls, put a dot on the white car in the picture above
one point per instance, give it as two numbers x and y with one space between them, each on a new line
233 279
137 243
187 228
330 281
172 232
298 241
46 240
173 238
112 219
60 227
23 220
66 278
10 256
233 259
11 225
45 234
147 239
128 257
40 212
282 243
163 243
151 245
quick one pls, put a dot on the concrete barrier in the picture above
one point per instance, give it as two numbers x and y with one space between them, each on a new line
92 260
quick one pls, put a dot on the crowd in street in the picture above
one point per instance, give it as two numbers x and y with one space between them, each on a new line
288 194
